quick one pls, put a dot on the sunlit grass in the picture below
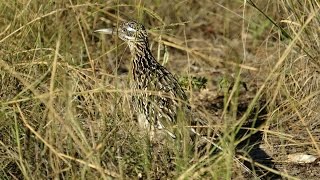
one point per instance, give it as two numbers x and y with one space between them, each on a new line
65 99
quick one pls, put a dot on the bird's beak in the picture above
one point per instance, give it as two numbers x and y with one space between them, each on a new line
105 31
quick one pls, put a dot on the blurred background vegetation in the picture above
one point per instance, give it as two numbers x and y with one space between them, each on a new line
65 98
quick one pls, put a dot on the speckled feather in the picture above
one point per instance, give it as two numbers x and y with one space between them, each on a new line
157 94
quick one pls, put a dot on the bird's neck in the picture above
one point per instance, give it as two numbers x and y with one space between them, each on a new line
143 60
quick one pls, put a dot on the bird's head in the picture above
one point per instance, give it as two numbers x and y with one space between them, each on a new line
130 32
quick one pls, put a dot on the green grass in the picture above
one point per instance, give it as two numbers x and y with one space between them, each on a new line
65 98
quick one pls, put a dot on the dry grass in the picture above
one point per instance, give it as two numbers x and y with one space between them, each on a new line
65 99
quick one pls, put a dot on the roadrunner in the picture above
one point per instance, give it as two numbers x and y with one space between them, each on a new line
157 96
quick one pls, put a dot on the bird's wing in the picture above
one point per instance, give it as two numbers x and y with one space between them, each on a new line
169 101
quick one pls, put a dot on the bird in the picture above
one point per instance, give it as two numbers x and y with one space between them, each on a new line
157 98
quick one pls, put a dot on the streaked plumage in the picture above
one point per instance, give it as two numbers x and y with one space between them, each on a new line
157 96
